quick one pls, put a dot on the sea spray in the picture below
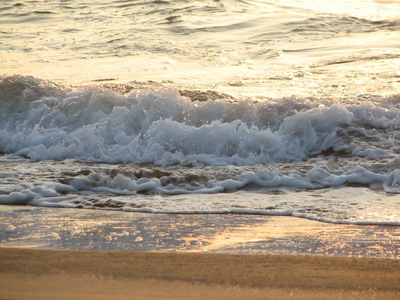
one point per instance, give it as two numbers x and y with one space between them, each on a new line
154 150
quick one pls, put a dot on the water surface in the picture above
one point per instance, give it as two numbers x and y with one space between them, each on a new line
242 107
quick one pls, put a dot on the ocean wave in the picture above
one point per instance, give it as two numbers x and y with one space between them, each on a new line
157 125
346 195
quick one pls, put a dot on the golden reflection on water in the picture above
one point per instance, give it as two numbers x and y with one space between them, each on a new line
286 228
274 50
367 9
298 236
108 230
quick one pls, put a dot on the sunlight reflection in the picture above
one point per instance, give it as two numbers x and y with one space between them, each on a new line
368 9
113 230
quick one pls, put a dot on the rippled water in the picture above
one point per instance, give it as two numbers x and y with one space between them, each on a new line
243 48
247 107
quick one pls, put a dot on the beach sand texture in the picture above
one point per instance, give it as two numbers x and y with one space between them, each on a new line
48 253
55 274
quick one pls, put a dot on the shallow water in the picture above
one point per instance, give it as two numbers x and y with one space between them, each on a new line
72 229
246 107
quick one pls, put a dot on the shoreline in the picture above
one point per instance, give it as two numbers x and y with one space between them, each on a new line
53 253
86 229
62 274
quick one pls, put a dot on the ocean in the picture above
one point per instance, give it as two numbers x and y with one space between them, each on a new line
284 108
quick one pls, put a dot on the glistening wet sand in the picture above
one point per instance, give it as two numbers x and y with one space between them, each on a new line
73 229
191 256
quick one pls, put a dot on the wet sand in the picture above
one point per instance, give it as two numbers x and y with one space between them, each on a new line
85 229
55 274
49 253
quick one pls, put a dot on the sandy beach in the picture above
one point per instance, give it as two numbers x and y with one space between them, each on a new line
199 149
55 274
50 253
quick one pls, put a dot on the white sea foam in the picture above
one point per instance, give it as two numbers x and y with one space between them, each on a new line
319 193
84 148
330 153
159 126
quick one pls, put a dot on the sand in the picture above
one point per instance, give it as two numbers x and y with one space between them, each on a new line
58 274
50 253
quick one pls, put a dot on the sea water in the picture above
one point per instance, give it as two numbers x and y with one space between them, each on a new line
244 107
